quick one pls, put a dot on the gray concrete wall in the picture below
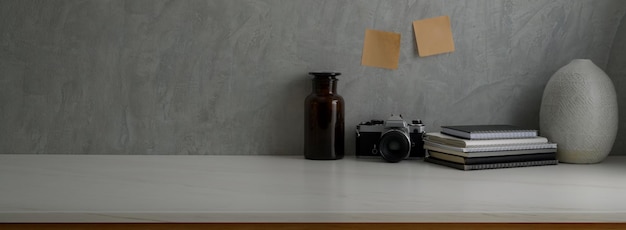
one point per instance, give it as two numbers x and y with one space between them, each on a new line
229 76
616 69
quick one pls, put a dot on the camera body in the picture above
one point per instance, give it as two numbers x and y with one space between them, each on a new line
392 139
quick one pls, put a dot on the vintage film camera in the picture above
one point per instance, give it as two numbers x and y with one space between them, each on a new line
392 139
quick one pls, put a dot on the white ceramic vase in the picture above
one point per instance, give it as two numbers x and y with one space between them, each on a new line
579 112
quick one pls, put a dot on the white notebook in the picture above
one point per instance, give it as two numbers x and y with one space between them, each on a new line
459 142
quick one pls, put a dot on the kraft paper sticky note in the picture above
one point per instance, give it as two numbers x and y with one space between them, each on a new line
381 49
433 36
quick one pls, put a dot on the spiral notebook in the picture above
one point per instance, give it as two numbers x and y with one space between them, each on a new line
484 132
463 143
490 166
488 151
492 160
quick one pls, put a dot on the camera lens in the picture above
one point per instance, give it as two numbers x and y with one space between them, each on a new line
394 146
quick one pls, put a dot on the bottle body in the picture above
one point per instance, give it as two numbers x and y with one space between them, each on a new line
324 120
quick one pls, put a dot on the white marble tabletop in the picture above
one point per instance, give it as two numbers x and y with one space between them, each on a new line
108 188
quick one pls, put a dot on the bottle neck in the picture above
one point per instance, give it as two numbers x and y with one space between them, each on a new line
325 86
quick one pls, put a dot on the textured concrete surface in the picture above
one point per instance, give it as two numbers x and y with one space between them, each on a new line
616 70
229 76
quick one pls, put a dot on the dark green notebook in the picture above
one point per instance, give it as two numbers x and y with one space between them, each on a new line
494 159
490 166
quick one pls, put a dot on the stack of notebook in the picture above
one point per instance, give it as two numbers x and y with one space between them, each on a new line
488 147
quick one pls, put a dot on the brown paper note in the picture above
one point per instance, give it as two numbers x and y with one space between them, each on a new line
433 36
381 49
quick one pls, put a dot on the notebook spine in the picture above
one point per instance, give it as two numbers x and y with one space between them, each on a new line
491 166
511 164
503 134
495 148
490 134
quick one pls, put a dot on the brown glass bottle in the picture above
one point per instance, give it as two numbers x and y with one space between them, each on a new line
324 119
